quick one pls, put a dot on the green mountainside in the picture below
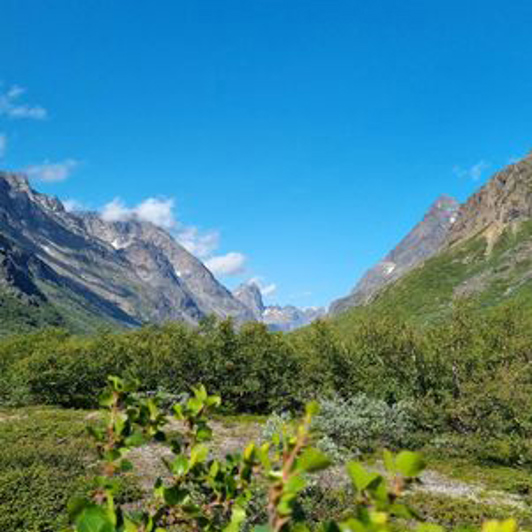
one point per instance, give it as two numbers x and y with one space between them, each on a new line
487 258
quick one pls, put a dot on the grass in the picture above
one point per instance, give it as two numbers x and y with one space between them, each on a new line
459 514
424 295
501 478
44 458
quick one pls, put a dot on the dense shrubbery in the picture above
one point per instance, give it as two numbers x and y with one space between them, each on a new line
469 375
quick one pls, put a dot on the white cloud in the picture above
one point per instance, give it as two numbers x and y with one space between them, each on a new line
232 263
3 144
73 205
51 172
116 211
265 289
201 245
11 107
475 172
158 211
268 290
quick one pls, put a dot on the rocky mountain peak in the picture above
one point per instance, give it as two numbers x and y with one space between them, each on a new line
131 271
423 241
250 295
504 200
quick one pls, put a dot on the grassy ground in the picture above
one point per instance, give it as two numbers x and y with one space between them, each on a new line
46 457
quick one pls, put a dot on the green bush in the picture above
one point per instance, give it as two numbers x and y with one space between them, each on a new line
361 424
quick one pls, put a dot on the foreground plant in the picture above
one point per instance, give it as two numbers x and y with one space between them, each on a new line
202 493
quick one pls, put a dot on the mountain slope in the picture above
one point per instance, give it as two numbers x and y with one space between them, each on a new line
487 255
425 239
97 272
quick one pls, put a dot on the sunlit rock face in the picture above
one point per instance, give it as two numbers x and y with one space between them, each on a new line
128 272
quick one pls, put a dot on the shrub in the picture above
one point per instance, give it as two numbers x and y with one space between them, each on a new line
214 495
361 424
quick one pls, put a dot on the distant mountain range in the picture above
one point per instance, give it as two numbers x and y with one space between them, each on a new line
481 250
79 271
278 318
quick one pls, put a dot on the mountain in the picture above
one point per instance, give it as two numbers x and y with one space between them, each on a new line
250 295
278 318
422 242
91 272
486 255
287 318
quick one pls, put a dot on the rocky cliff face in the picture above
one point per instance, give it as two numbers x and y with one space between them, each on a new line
506 199
250 295
425 240
276 317
123 272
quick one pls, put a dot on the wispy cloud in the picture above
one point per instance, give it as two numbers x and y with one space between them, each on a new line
158 211
200 244
3 145
12 107
232 263
161 212
49 172
266 289
73 205
474 172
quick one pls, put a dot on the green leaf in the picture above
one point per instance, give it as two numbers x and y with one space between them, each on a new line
126 465
204 434
238 516
312 460
198 454
175 495
352 525
360 477
262 528
135 440
510 525
77 505
180 465
200 393
94 519
389 462
106 398
296 484
195 405
409 464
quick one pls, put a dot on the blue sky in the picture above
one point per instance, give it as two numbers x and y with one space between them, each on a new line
303 138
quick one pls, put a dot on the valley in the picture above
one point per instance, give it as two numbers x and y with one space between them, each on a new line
430 353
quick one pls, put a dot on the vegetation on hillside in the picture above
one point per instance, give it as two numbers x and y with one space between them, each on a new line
490 275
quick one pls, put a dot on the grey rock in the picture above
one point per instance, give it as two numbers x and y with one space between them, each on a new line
125 273
424 241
